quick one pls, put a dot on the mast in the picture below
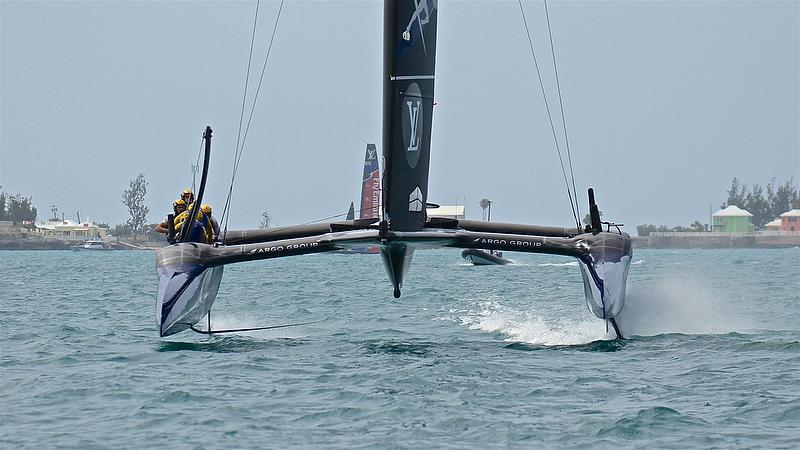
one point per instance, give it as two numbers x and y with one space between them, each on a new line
199 199
409 55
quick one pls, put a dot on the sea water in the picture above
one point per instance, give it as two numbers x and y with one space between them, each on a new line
479 357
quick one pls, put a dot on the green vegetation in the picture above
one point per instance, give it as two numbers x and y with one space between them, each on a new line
266 220
17 209
765 204
645 230
133 199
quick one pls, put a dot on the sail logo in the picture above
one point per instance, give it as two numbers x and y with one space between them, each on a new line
413 115
421 15
415 200
412 122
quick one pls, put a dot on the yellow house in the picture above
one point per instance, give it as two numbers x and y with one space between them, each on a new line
68 230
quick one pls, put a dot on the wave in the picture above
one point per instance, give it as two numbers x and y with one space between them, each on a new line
566 264
652 421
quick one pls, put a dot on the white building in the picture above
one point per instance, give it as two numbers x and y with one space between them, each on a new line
775 225
71 231
449 212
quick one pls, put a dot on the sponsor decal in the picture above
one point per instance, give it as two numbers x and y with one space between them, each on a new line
415 202
280 248
422 16
412 120
510 243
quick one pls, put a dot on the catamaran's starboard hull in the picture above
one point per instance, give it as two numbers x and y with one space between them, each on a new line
482 258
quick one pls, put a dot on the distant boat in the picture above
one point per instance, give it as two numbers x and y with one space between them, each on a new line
91 244
480 257
483 258
370 195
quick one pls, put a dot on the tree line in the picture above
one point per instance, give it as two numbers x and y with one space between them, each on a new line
764 203
17 208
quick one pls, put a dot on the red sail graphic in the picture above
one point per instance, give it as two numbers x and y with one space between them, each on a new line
370 185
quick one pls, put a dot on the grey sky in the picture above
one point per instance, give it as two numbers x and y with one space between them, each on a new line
665 102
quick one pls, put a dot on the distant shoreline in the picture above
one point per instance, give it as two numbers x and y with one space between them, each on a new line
56 244
717 240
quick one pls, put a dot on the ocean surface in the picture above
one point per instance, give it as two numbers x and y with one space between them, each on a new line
468 357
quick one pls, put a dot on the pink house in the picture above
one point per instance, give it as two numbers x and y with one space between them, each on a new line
790 221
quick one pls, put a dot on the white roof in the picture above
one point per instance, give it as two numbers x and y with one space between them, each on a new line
774 224
792 213
446 211
732 211
65 224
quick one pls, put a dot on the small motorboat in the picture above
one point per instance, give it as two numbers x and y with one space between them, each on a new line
91 244
485 258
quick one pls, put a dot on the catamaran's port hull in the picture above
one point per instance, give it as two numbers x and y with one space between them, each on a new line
188 281
185 295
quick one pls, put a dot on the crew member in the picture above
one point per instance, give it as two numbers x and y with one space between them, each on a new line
178 207
197 232
187 196
214 229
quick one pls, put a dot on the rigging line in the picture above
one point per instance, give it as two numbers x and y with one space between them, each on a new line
255 100
241 117
561 104
549 115
320 220
239 330
335 216
197 164
263 71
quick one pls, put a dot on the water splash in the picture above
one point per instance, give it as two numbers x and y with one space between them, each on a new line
535 329
681 305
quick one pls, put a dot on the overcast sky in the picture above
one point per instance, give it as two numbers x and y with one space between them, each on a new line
665 102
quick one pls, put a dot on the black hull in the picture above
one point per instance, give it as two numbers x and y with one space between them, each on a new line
482 258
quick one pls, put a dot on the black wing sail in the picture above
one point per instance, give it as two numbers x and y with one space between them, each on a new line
408 78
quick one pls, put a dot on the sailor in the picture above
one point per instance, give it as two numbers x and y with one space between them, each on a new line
197 232
187 196
178 207
213 230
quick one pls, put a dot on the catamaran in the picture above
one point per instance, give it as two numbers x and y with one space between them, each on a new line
370 195
189 273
